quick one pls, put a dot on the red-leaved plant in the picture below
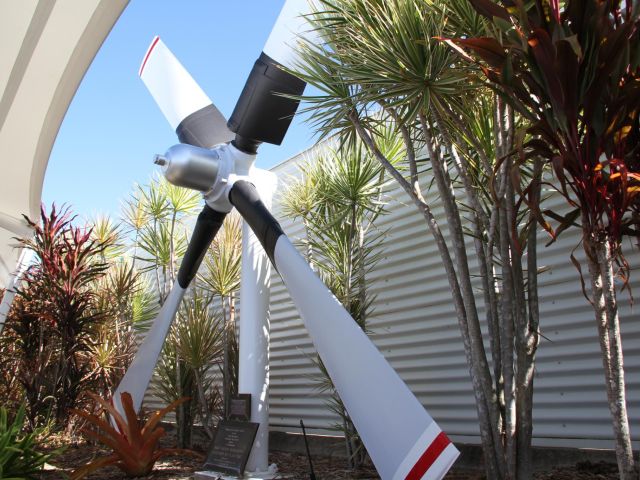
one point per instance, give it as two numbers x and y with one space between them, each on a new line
53 315
573 69
134 445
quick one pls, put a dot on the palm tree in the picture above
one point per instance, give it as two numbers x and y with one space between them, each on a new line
159 215
183 202
200 334
106 232
380 62
127 304
195 347
134 215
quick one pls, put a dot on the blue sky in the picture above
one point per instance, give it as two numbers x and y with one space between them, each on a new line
113 127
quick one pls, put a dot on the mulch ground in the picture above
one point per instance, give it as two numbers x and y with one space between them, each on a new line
290 465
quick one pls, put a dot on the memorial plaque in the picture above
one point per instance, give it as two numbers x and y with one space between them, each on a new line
240 408
231 446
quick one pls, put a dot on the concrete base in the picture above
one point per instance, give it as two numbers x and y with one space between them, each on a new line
270 474
212 476
225 476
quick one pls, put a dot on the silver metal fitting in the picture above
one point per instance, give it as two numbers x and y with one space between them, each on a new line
160 160
189 166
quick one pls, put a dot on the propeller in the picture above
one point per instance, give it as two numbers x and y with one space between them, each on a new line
186 107
199 123
403 440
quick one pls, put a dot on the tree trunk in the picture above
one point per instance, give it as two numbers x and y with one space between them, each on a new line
600 261
226 389
488 419
530 339
507 343
205 414
234 359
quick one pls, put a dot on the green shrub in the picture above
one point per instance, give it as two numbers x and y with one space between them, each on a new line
19 457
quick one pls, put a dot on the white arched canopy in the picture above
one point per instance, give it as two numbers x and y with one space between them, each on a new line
46 47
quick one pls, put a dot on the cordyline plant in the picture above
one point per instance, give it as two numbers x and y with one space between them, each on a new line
54 314
198 335
573 69
134 445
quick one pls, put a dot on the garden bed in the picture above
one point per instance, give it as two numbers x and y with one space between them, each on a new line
291 465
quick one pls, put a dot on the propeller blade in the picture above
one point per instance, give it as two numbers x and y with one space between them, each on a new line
186 107
138 375
403 440
197 122
290 25
262 113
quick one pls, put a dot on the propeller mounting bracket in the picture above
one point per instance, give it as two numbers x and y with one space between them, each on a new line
211 171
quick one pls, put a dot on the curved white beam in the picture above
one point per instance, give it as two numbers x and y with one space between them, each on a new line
18 226
46 48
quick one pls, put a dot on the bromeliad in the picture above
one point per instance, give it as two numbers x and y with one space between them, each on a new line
135 447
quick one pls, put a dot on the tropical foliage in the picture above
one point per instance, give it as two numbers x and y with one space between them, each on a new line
127 302
380 63
74 320
573 69
159 216
196 341
20 457
134 443
53 316
93 289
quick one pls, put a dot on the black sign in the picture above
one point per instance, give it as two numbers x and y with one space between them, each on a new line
231 446
240 408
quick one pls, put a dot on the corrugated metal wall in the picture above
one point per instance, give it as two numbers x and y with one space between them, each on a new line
415 327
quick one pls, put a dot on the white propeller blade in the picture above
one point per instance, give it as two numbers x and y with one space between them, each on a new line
177 93
281 44
404 442
139 373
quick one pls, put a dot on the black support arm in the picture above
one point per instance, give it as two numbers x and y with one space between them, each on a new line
208 223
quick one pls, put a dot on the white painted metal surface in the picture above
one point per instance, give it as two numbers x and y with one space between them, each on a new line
396 429
281 44
414 326
253 371
138 375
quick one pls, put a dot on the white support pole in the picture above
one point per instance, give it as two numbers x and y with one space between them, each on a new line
254 329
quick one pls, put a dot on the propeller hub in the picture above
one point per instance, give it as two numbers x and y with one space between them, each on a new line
191 167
